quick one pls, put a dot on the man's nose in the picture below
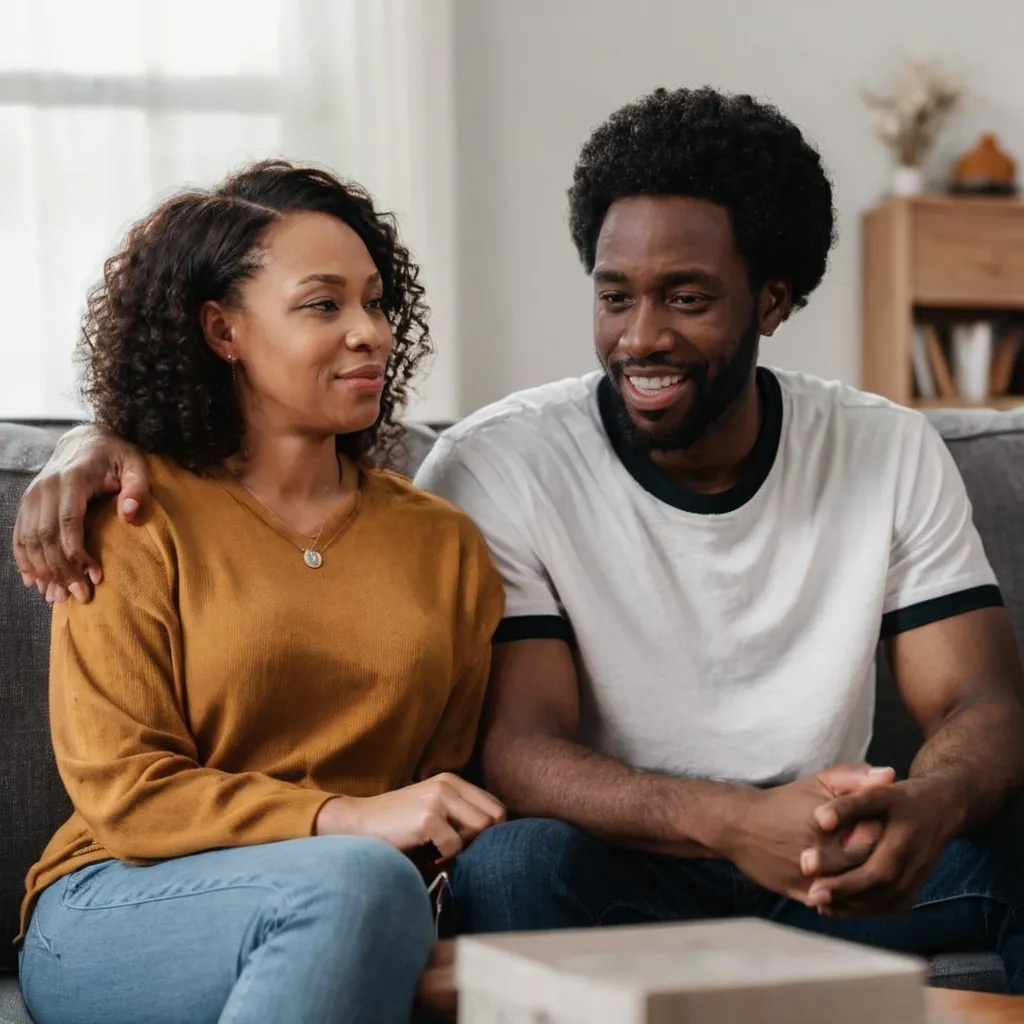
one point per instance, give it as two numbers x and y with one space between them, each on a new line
648 333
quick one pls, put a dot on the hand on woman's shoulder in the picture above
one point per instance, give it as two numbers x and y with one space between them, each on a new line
117 544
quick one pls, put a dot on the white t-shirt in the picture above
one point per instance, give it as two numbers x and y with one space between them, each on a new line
728 636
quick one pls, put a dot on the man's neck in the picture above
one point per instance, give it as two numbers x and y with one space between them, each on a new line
716 462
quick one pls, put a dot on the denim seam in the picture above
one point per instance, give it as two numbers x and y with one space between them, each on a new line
967 894
37 932
558 873
163 899
635 906
244 981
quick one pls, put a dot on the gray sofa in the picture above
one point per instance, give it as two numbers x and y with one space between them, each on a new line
989 448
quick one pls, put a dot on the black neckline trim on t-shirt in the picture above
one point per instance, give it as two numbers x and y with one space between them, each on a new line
652 480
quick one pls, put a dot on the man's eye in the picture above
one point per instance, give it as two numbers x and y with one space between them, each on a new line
613 298
690 299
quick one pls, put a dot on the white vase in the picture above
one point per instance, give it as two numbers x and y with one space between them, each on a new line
908 181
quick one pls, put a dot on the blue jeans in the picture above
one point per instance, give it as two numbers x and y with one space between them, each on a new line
310 931
538 874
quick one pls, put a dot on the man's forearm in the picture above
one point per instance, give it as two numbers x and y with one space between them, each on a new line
545 776
979 751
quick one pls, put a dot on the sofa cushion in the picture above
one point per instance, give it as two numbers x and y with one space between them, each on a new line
988 448
12 1007
32 800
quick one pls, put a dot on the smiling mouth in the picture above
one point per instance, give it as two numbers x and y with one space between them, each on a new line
649 393
366 380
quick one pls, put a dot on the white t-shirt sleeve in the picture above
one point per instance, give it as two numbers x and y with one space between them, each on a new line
937 565
478 486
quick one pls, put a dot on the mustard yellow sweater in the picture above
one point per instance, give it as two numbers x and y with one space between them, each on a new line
217 691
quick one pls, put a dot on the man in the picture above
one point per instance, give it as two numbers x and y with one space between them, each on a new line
699 557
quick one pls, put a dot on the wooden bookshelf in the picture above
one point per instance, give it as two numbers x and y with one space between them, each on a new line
932 258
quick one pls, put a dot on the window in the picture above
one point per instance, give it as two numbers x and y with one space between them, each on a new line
104 106
107 105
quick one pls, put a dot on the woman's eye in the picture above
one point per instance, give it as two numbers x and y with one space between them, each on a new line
323 305
375 304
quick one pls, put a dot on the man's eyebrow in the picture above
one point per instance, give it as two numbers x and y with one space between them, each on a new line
673 278
603 276
670 279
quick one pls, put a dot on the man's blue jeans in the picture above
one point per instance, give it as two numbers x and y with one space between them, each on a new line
537 874
310 931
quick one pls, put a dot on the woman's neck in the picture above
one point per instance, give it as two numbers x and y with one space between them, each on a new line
289 470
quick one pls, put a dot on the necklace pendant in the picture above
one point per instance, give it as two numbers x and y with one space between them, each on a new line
313 559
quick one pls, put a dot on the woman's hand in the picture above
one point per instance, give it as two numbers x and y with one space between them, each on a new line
446 812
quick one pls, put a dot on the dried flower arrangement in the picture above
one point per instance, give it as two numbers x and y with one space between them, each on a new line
909 120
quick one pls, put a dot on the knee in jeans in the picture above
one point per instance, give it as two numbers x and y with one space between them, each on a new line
524 874
524 852
364 880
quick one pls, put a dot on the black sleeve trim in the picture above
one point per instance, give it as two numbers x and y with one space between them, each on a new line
939 608
533 627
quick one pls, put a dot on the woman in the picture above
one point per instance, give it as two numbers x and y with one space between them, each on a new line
289 641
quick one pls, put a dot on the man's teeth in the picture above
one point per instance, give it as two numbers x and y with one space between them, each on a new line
651 384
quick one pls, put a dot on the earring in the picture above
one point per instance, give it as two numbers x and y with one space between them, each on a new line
234 375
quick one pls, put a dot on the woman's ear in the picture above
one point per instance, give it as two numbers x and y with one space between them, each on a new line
218 330
773 304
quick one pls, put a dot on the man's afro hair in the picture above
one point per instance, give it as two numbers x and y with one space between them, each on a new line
737 152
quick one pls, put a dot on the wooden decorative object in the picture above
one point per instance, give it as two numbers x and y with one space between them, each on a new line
932 257
714 972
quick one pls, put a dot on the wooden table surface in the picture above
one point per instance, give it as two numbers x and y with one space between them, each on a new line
948 1007
437 991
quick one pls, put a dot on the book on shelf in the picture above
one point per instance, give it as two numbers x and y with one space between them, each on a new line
924 379
1004 361
945 386
971 362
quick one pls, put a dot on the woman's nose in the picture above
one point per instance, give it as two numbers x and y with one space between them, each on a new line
365 335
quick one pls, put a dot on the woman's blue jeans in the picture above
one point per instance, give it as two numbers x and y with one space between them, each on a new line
310 931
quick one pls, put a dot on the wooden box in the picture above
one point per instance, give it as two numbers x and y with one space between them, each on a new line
714 972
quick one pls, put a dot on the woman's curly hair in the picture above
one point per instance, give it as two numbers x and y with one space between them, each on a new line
732 150
148 372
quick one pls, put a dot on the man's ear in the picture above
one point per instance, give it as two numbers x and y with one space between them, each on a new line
774 303
217 324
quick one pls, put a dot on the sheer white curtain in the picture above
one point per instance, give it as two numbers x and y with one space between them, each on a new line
105 105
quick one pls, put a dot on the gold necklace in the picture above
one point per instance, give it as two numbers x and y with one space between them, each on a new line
313 558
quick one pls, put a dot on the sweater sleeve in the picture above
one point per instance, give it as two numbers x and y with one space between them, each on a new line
117 711
479 608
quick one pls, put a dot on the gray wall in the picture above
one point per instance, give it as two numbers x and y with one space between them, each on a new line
533 76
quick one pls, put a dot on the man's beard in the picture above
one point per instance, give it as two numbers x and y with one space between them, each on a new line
713 396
